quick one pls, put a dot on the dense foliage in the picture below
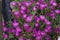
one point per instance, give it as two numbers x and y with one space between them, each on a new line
33 20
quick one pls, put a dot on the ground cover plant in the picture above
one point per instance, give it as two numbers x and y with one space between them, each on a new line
33 20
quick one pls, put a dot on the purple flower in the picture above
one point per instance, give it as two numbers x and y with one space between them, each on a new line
28 4
41 1
34 8
24 16
38 37
37 19
15 24
27 11
17 34
52 7
43 33
57 30
38 33
22 11
23 8
32 1
42 6
3 24
21 38
48 38
26 26
47 22
4 29
34 30
37 3
13 3
5 36
12 30
29 19
48 29
34 35
19 4
42 17
29 30
57 11
17 14
53 3
52 15
36 24
18 29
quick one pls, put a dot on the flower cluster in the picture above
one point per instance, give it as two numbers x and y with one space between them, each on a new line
33 20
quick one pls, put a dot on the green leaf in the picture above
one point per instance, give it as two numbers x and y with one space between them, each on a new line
16 0
10 35
20 0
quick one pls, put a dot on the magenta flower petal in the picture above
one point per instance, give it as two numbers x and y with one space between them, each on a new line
3 24
18 29
38 38
24 16
5 36
23 8
17 34
15 24
42 17
28 4
36 24
48 29
57 11
4 29
26 26
29 19
17 14
19 4
21 38
13 3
